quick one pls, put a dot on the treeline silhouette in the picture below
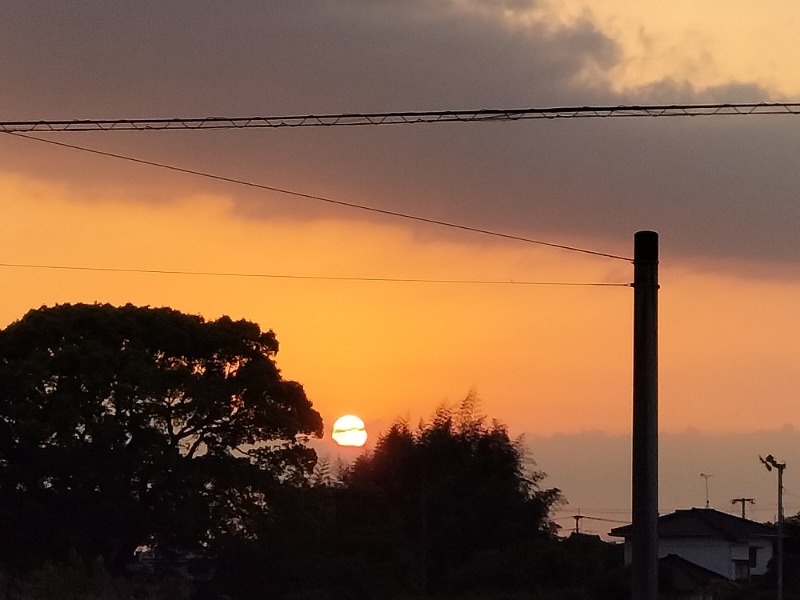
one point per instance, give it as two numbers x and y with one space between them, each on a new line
451 509
145 453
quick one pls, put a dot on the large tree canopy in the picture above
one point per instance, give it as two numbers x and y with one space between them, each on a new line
128 425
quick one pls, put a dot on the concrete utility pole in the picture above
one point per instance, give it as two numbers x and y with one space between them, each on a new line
743 501
644 557
771 463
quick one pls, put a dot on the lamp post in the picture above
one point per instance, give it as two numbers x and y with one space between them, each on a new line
771 463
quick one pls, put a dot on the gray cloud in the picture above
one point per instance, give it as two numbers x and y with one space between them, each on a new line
715 187
147 57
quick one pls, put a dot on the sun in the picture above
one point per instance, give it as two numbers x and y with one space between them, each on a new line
349 431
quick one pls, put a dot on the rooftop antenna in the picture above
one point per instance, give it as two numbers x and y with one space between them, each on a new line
706 476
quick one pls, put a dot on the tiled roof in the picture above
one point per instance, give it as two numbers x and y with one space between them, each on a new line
704 522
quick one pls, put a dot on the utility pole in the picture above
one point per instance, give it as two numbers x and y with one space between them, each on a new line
706 476
743 501
644 555
577 518
771 463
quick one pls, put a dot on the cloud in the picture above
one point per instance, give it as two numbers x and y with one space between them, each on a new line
716 188
277 56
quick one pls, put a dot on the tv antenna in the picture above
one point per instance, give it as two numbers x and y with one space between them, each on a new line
706 476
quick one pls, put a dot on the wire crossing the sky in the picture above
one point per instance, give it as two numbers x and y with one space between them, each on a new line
353 205
404 118
489 282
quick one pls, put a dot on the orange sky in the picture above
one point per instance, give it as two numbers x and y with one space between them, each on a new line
544 359
552 362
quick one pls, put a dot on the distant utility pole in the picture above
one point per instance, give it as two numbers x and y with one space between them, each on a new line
577 522
644 539
743 502
706 476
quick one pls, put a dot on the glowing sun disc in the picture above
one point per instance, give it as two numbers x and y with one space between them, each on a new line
349 431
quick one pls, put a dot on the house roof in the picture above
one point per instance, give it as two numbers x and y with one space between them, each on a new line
704 522
675 565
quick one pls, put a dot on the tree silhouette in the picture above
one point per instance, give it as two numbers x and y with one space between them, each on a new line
457 487
121 426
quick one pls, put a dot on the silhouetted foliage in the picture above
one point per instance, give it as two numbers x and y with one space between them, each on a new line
72 579
121 426
451 509
452 490
128 426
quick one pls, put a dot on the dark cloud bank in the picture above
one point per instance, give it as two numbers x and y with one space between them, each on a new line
718 188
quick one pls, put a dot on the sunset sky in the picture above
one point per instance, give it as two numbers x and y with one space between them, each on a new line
551 361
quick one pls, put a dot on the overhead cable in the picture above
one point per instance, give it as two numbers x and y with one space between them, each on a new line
402 118
310 277
352 205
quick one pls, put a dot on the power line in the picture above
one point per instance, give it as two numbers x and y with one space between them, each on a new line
404 117
590 518
309 277
352 205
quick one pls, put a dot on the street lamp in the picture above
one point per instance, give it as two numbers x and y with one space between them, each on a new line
771 463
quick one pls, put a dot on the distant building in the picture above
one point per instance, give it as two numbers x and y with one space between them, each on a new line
718 542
